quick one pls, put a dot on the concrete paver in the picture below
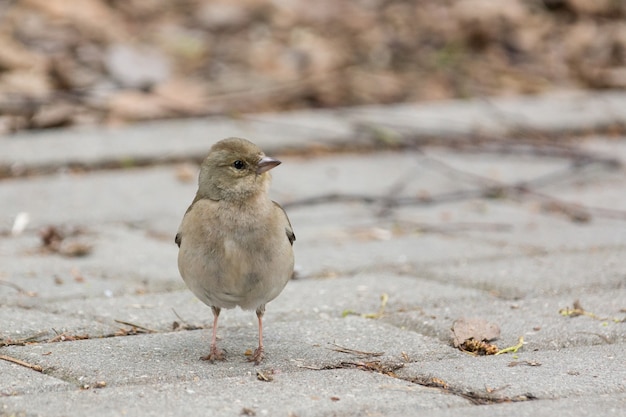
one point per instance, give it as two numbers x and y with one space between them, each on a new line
576 371
290 347
339 392
572 273
537 319
452 251
19 381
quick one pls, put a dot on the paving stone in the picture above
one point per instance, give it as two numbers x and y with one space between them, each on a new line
517 277
303 299
20 324
289 347
511 260
136 197
331 392
19 380
122 261
601 191
374 175
500 168
581 406
559 112
579 371
554 113
606 146
176 139
537 319
400 252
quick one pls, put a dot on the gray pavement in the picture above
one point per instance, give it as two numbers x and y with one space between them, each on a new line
507 230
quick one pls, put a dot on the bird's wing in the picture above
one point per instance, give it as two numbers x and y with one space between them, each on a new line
288 228
179 234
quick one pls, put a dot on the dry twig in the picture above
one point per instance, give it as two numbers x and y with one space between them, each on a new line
137 326
343 349
21 363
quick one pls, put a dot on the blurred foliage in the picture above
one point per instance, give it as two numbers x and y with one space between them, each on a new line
117 61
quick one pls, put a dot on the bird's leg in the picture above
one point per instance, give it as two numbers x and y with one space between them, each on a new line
215 353
257 357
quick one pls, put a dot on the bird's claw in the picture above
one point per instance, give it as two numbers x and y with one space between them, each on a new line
214 355
258 355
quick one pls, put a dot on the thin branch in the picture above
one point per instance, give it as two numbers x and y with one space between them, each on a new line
136 326
332 198
343 349
18 288
21 363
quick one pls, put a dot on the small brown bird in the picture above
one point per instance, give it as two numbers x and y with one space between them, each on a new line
235 243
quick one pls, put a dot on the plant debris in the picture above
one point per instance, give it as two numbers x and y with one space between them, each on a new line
112 62
265 376
360 353
66 337
478 398
135 329
97 384
22 342
471 329
478 347
17 288
384 298
176 326
578 310
528 363
21 363
474 336
385 368
514 348
55 240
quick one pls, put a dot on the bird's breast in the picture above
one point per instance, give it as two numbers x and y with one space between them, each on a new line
228 259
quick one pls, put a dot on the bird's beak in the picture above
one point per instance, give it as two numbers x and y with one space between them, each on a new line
265 164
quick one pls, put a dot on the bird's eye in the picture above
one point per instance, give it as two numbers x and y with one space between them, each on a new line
239 164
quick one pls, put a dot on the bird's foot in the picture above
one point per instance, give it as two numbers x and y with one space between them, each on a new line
214 355
258 355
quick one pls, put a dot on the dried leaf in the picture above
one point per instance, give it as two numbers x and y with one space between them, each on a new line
136 105
265 376
479 330
51 237
479 347
75 249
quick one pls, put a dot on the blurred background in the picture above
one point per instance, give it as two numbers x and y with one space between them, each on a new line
112 62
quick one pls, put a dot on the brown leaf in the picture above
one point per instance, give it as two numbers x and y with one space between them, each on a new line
55 115
75 249
136 105
30 84
14 55
472 328
265 376
51 237
183 96
137 66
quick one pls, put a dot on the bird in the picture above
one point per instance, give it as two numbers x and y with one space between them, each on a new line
235 243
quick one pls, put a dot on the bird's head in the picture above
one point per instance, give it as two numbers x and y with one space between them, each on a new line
235 169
